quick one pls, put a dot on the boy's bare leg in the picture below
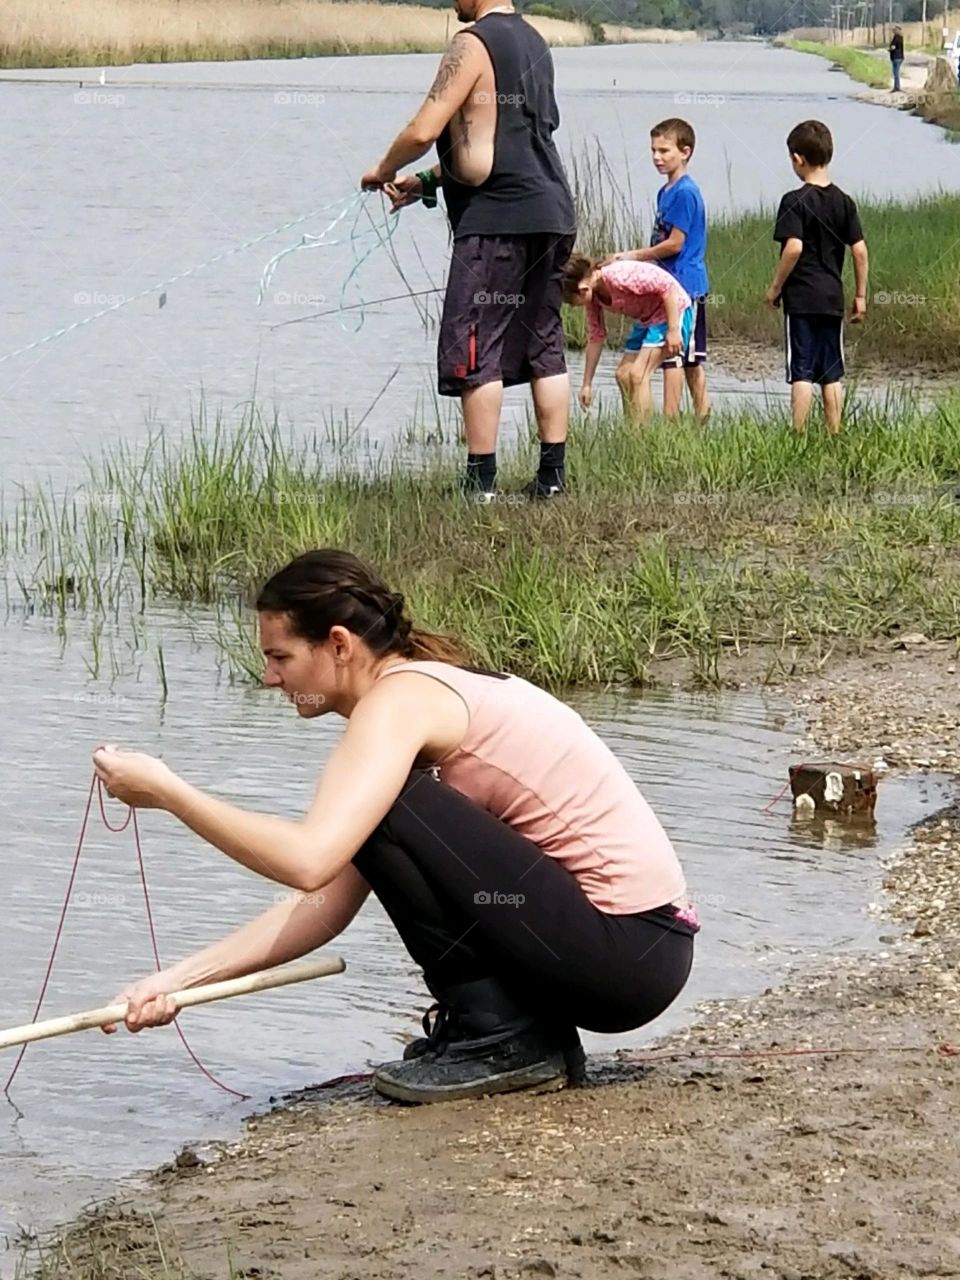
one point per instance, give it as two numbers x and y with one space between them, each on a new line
627 361
551 404
641 374
697 385
672 391
481 416
833 406
801 398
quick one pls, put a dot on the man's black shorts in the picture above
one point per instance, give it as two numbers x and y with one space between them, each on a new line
501 311
814 348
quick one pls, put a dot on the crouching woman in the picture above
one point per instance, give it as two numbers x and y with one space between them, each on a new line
523 870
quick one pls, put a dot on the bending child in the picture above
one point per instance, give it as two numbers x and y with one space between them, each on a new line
646 293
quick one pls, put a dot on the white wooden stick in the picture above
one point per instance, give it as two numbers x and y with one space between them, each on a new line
280 976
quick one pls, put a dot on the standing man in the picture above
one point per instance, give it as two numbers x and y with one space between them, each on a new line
896 57
492 113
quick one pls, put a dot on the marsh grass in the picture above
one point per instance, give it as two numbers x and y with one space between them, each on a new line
857 63
673 542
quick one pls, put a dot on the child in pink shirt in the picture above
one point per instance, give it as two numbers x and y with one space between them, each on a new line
647 294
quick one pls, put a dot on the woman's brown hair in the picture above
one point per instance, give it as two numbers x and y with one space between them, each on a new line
327 588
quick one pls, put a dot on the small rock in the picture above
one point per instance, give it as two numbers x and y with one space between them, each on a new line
539 1267
187 1159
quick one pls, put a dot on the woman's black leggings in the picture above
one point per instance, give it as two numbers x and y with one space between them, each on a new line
472 898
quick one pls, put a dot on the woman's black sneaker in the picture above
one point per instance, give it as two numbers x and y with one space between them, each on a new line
474 1068
481 1042
564 1041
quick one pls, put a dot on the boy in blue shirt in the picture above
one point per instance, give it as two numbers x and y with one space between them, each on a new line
679 244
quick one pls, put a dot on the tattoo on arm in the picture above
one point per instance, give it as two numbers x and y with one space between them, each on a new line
448 70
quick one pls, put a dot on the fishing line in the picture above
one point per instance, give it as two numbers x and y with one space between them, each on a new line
130 818
381 235
375 302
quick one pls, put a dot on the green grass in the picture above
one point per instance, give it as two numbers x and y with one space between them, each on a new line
914 314
858 64
675 541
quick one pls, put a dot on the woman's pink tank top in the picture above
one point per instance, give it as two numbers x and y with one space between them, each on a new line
532 761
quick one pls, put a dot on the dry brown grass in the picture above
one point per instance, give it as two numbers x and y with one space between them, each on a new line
648 35
117 32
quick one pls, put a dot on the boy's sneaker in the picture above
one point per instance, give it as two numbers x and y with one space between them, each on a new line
541 491
471 493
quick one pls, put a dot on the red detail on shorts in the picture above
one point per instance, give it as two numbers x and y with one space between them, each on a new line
459 370
473 348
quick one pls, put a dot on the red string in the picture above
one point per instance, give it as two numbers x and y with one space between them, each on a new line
131 814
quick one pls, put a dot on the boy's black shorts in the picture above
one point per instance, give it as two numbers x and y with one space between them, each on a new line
696 353
814 348
501 311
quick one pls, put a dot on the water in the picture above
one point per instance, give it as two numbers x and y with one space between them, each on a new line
111 188
770 892
148 176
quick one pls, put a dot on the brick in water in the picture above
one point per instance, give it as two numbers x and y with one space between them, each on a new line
835 788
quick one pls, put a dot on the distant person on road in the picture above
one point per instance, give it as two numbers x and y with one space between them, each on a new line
679 245
814 226
652 297
896 57
492 113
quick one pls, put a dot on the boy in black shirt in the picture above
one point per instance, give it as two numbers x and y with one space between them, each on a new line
814 225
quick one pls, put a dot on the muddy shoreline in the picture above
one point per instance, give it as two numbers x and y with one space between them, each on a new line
838 1164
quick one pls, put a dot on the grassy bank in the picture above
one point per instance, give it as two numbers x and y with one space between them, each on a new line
674 542
914 313
91 33
858 64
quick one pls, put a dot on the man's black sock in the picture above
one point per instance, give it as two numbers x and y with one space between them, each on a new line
552 463
481 471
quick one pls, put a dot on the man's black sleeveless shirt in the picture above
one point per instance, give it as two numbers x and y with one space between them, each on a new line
526 192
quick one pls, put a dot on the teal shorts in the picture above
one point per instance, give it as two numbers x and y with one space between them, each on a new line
655 335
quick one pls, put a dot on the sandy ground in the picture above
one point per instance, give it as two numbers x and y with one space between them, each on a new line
779 1165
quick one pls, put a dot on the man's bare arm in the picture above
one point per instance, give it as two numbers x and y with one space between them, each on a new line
456 78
